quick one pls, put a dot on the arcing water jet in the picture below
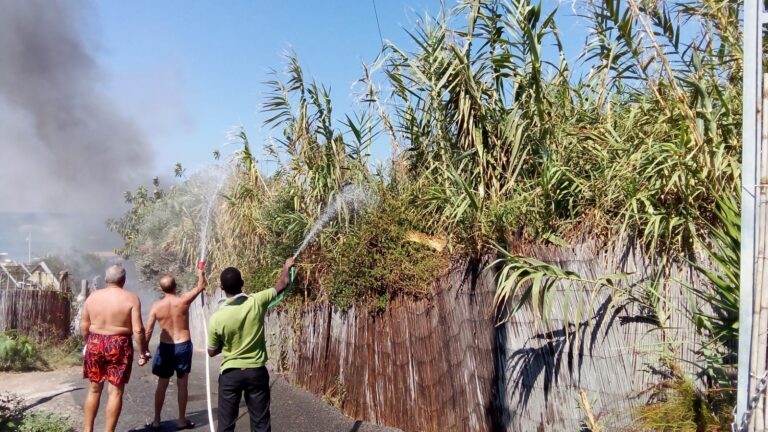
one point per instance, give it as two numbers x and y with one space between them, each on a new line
201 265
351 197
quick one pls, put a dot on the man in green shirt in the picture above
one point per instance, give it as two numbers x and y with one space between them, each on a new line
237 331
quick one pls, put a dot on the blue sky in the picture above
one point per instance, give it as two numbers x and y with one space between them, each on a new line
188 72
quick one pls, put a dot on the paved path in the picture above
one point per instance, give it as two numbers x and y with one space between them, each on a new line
292 409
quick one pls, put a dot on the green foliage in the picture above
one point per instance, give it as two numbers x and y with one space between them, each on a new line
375 261
717 307
522 280
14 417
18 352
45 422
60 354
500 131
129 225
676 406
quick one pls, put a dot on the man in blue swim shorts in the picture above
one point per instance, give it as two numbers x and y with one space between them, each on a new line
174 354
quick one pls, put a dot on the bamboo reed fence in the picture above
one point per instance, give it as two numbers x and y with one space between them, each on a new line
444 364
42 313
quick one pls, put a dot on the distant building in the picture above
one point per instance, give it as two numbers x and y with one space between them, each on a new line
15 275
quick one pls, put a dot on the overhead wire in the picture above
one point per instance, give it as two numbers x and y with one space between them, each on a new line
378 24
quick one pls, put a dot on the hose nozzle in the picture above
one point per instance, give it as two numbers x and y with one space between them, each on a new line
201 265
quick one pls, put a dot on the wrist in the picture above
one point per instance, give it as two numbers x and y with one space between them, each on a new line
281 284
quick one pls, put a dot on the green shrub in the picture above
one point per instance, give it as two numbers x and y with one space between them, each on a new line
66 353
13 417
18 352
375 261
23 353
45 422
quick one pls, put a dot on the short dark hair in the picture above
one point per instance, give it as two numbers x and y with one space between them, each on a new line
168 284
231 281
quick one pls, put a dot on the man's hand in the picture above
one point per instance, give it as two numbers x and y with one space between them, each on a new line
287 266
285 276
201 281
144 358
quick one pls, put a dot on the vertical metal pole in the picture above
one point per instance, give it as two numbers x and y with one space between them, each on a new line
750 136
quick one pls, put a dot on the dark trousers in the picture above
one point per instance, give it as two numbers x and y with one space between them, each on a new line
254 383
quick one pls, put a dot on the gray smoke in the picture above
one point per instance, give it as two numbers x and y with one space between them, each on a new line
64 146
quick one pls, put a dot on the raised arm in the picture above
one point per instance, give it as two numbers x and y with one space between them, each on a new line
190 296
285 276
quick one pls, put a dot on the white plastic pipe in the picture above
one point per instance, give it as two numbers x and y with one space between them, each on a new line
753 36
207 365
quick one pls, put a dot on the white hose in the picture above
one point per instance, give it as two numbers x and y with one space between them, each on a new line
207 366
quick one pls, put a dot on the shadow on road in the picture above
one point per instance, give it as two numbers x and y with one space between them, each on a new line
199 418
49 397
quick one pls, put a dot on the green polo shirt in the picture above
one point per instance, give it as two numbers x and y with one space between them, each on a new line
238 328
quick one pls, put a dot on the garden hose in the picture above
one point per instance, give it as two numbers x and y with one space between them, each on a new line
288 288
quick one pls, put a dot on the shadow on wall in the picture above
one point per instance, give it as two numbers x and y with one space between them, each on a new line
544 370
530 364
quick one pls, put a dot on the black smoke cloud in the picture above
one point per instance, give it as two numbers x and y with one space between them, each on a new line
64 145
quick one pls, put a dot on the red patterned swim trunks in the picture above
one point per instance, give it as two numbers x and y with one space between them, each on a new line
108 357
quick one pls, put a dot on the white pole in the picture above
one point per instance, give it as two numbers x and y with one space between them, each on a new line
750 136
29 248
207 364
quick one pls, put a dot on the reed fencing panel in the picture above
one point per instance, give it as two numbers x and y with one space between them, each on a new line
443 364
43 313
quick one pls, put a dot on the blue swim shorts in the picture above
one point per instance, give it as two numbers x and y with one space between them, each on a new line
172 357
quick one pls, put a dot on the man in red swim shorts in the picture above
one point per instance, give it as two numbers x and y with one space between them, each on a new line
110 316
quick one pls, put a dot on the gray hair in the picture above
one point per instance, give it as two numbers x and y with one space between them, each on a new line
115 275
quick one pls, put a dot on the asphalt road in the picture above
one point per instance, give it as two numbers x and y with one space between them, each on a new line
292 409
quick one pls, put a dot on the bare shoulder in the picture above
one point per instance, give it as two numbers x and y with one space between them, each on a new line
157 304
131 297
94 296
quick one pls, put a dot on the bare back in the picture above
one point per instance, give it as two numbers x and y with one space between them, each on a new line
111 311
172 314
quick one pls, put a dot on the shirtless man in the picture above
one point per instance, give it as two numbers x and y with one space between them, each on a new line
110 316
175 350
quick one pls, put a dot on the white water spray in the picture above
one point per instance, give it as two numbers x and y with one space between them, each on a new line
203 249
207 216
74 325
352 197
